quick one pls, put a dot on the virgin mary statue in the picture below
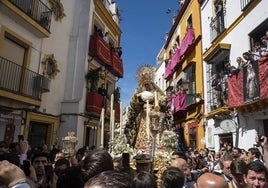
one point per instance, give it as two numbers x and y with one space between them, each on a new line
148 99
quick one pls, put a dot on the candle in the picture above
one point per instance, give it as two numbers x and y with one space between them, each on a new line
111 117
112 125
155 99
147 120
102 128
121 118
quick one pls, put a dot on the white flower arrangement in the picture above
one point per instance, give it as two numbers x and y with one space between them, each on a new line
169 139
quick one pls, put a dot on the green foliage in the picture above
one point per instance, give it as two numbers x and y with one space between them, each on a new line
93 77
117 95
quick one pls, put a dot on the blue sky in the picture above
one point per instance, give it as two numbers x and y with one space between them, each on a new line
144 26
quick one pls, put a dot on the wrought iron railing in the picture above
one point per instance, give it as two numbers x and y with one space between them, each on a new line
244 4
20 80
37 10
217 25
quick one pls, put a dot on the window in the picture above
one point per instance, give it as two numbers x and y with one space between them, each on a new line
258 33
13 49
189 79
189 22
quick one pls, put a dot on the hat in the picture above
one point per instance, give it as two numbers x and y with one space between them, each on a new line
143 158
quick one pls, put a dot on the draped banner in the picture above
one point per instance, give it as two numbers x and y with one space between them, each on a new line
239 89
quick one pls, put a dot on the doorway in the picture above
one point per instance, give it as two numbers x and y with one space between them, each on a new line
38 134
226 140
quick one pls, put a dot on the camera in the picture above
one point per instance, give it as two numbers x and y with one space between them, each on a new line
20 138
26 167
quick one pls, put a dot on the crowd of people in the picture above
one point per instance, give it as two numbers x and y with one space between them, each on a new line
20 167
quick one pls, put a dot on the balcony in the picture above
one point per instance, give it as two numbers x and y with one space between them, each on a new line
245 3
117 65
28 13
100 50
95 102
22 81
243 95
179 54
217 26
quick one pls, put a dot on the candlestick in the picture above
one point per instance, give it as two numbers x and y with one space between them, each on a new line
111 117
155 99
147 120
112 125
102 128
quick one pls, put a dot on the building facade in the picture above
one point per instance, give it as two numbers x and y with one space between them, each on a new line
182 54
235 110
45 53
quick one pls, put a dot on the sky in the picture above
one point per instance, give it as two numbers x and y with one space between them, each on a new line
144 26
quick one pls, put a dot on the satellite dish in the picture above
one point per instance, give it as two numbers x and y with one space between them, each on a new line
228 125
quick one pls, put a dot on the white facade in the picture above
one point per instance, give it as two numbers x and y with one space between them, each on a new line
240 26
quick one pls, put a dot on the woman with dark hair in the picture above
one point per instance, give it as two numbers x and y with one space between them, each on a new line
238 169
109 179
96 162
144 180
173 177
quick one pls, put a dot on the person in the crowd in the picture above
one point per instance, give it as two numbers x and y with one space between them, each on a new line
109 179
181 164
173 177
254 154
178 154
96 162
117 161
236 152
238 169
12 176
3 147
126 168
256 175
70 177
39 162
225 164
210 180
144 180
143 163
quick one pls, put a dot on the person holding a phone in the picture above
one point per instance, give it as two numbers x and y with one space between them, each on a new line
40 162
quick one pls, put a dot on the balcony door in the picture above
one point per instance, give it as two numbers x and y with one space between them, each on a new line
14 53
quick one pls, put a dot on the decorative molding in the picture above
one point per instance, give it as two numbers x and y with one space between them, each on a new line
49 66
57 9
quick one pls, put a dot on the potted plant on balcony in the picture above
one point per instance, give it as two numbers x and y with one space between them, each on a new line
94 100
93 77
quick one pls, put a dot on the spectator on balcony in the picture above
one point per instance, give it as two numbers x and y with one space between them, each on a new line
248 58
102 90
99 32
119 51
256 52
240 63
106 37
230 69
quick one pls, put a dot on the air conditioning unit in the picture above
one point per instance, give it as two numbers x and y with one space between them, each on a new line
41 83
45 84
